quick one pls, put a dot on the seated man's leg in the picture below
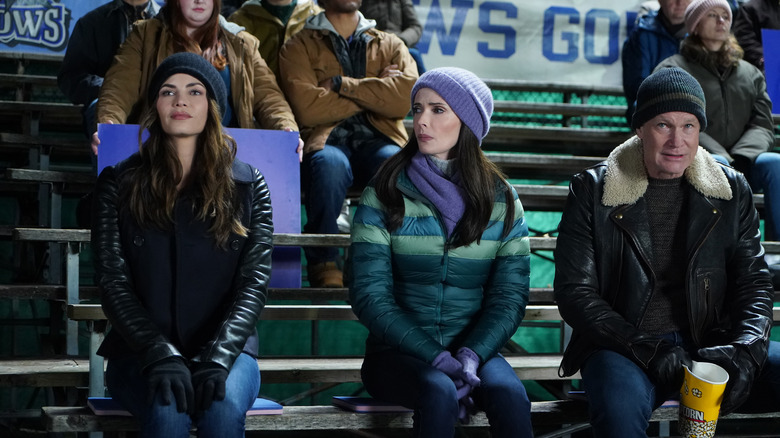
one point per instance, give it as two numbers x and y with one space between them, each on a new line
399 378
765 177
368 158
128 386
621 397
503 398
227 418
326 176
417 56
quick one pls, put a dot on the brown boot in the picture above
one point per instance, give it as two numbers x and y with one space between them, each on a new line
325 274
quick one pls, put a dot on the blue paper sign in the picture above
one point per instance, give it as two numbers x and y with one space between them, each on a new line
271 152
771 42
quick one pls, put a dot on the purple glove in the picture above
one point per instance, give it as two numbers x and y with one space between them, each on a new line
466 408
462 388
470 362
448 365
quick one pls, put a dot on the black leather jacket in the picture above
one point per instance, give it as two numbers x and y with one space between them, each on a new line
604 279
173 292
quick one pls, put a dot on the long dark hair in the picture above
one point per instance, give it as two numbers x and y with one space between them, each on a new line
693 49
151 192
205 41
480 177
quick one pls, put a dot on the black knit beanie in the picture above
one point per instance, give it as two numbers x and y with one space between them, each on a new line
195 66
668 90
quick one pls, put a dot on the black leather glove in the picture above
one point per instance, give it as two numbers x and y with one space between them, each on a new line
742 164
171 378
666 368
208 378
742 372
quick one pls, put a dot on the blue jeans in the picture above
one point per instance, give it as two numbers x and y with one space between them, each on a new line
621 397
765 178
224 418
327 174
417 56
403 379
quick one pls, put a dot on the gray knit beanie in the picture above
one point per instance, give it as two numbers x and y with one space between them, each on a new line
668 90
195 66
468 96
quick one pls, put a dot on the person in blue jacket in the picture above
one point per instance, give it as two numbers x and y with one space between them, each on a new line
182 236
657 36
440 268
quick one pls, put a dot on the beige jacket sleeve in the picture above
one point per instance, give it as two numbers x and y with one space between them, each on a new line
312 104
387 97
123 84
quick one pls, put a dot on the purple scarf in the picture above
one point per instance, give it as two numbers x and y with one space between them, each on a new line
445 194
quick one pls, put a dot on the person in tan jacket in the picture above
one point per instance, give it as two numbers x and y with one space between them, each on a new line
254 97
273 22
347 83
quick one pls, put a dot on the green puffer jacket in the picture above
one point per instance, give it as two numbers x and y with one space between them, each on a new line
416 293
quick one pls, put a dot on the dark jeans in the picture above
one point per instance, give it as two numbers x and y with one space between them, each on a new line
327 174
225 418
621 397
403 379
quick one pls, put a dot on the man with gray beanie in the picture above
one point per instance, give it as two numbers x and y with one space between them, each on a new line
659 262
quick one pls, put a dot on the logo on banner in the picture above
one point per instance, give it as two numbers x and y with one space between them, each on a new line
38 23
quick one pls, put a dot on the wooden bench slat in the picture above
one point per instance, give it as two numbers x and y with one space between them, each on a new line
299 418
307 312
50 176
282 239
57 372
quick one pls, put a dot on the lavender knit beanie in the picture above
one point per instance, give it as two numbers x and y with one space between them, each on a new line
697 9
464 92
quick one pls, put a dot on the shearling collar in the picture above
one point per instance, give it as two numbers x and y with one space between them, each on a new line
625 180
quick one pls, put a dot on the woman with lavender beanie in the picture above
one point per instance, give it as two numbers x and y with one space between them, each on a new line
440 268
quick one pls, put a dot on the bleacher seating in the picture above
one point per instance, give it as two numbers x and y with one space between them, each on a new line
542 134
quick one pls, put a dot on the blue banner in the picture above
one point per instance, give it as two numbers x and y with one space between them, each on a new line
771 41
41 26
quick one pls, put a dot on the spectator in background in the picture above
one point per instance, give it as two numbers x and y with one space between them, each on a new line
397 17
754 16
739 112
182 241
659 261
351 108
91 49
230 6
657 36
273 22
254 98
440 268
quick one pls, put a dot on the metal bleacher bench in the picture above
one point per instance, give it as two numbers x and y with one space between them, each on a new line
30 371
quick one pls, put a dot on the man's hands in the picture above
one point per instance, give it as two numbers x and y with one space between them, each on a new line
665 369
390 71
742 372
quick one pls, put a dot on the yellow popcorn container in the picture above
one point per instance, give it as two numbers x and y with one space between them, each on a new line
700 397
